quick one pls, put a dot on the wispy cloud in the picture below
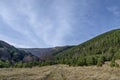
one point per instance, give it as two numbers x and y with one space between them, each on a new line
45 23
39 27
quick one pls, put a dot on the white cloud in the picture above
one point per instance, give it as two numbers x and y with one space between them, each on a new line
13 19
43 29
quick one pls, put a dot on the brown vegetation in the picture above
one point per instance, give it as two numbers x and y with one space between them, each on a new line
61 72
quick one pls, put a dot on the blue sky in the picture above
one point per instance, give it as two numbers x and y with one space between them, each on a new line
49 23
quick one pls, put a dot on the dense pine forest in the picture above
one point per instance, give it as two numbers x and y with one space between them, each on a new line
105 47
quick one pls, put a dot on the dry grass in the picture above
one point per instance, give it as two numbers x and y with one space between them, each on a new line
61 72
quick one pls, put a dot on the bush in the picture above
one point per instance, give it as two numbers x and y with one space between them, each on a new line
18 65
90 60
7 64
81 61
4 64
100 61
26 65
113 63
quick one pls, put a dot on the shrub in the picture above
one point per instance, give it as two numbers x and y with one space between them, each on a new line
90 60
100 61
113 63
18 65
81 61
4 64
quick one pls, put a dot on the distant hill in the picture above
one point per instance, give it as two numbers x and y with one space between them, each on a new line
12 54
45 53
106 45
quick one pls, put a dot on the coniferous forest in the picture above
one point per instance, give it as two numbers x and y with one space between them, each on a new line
105 47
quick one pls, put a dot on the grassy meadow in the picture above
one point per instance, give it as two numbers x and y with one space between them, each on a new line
61 72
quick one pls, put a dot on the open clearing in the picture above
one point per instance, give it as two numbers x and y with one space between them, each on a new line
61 72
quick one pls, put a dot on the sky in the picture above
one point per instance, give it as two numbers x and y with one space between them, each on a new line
50 23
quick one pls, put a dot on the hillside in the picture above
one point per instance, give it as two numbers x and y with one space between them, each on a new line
26 57
104 47
45 53
13 55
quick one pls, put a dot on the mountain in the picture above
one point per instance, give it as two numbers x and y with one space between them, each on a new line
12 54
106 45
45 53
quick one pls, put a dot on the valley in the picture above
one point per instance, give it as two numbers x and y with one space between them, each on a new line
59 39
95 59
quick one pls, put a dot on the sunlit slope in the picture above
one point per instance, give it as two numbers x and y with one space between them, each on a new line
105 46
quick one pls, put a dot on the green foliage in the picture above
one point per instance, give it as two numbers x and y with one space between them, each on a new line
18 65
7 64
90 60
4 64
25 65
113 63
96 51
81 61
102 48
117 54
100 61
32 64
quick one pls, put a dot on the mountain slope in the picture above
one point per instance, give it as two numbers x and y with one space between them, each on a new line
12 54
45 53
106 45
